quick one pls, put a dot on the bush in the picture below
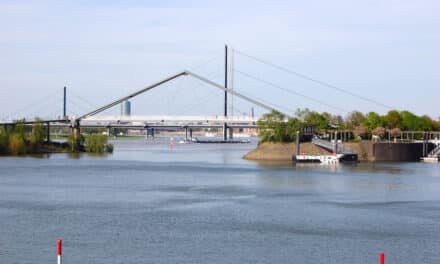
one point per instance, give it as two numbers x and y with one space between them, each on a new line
109 148
37 136
75 144
17 145
98 144
4 141
275 127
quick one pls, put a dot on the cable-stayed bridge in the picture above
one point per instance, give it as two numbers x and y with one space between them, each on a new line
99 117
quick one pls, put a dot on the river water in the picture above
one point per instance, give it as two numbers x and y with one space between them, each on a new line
202 203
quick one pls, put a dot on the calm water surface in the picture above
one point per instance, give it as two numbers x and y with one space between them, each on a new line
204 204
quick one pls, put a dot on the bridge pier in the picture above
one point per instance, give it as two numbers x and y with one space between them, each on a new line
231 133
190 133
297 152
225 132
76 135
186 133
48 132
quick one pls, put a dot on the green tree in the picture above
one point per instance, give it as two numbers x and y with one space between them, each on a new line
426 123
373 120
393 119
317 119
274 127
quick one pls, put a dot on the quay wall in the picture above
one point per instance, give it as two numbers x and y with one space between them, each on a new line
366 150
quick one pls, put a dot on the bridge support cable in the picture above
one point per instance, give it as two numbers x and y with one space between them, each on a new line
105 107
225 135
237 94
322 83
180 74
290 91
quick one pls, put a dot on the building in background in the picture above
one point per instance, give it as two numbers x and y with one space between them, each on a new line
126 108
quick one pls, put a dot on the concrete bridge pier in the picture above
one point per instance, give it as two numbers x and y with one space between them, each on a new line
231 133
48 132
225 132
190 133
76 134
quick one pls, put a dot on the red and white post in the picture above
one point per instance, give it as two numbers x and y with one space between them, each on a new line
59 242
382 258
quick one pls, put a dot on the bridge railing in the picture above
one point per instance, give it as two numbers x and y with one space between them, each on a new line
159 118
435 151
341 149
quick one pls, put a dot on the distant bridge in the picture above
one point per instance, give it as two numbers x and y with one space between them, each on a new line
163 120
226 122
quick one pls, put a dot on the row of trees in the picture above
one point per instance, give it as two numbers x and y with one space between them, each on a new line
275 127
403 120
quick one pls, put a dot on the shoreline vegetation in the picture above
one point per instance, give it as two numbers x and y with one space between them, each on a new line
276 127
20 140
277 132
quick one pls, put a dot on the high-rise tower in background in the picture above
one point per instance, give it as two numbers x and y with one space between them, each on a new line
126 108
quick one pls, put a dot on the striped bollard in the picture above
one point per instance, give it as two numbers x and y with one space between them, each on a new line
382 258
59 242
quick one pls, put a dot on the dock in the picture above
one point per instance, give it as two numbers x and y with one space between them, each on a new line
433 156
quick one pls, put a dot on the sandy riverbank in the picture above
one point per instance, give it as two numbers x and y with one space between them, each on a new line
282 151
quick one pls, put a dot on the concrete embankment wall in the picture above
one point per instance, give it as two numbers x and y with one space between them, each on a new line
366 150
369 151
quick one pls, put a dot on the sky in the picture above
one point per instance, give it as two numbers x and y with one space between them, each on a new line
386 51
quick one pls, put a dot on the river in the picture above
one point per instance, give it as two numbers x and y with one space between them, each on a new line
202 203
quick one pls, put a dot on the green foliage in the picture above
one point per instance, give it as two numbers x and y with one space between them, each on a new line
19 129
4 141
274 127
373 120
75 143
393 119
98 144
17 144
37 135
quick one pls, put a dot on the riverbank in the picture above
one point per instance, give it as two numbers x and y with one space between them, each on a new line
282 151
366 150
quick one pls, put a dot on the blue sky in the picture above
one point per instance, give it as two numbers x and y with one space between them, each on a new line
385 50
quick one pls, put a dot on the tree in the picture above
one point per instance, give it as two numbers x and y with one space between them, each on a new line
317 119
426 123
274 127
354 119
373 120
393 119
